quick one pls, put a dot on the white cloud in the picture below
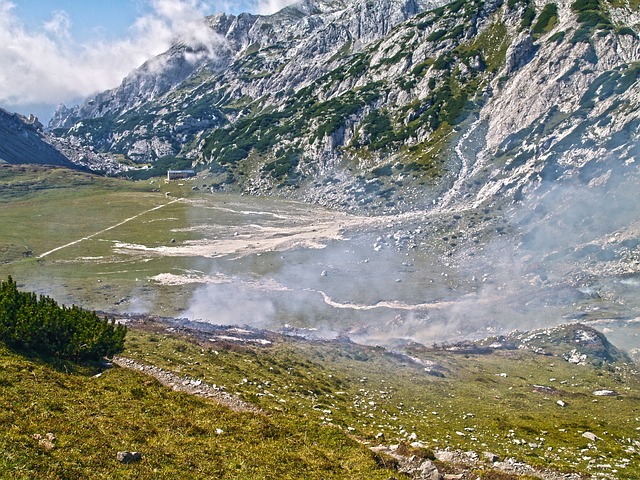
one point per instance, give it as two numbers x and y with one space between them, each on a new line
267 7
48 66
59 25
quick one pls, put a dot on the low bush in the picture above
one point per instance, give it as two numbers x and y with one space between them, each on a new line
38 325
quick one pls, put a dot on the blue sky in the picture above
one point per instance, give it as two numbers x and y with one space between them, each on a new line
111 19
62 51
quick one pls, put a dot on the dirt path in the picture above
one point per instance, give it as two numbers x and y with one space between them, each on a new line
188 385
108 228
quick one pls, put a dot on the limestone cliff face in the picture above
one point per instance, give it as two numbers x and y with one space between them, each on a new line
304 35
387 104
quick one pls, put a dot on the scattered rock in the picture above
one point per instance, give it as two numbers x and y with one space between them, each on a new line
446 456
605 393
46 440
590 436
128 457
410 461
188 385
575 357
492 457
545 390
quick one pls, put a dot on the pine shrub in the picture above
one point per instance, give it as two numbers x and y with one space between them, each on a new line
38 325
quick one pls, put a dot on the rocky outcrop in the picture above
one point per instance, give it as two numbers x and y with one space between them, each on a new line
22 141
128 457
250 56
410 460
576 343
387 105
520 52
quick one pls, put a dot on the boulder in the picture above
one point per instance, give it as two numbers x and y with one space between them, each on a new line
491 457
590 436
520 53
45 441
128 457
605 393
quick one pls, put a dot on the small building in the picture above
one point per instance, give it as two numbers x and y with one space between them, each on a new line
177 174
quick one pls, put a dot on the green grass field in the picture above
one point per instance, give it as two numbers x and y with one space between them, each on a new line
59 233
324 403
47 209
490 399
179 436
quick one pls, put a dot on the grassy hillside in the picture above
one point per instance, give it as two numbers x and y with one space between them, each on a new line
504 402
324 403
93 417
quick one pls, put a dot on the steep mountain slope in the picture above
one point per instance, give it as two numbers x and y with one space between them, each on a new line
167 105
387 104
21 141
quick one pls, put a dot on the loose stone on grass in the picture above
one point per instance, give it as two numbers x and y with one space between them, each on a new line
128 457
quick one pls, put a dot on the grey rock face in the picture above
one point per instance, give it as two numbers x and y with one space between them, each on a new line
520 52
22 141
306 31
254 55
383 104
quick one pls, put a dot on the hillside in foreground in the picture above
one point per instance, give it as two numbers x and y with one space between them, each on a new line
243 403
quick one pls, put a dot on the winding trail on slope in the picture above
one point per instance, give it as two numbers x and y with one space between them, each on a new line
108 228
188 385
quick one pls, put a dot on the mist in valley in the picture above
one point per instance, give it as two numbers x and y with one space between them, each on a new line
562 253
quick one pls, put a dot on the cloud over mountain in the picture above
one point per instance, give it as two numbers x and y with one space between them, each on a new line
49 66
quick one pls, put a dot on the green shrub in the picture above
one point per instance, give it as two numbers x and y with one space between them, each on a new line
383 171
377 125
442 63
584 5
421 67
456 32
528 16
38 325
283 166
233 156
455 6
591 17
627 31
437 35
547 19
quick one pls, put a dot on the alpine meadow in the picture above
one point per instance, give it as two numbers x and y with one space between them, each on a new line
366 239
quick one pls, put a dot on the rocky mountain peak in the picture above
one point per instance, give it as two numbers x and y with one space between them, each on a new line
307 32
402 103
